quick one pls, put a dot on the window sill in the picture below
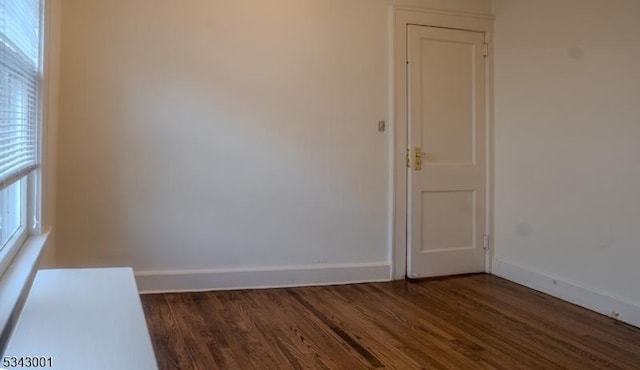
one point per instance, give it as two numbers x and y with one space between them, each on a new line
15 284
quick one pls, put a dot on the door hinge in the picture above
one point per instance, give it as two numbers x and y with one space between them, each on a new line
485 50
408 158
485 242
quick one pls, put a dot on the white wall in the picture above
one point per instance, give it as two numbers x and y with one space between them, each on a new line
221 134
567 153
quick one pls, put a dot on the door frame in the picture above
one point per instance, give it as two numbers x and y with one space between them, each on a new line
401 18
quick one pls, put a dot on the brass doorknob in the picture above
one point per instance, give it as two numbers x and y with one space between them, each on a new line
419 156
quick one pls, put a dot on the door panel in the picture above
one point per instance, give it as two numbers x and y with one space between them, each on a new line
448 220
447 133
446 122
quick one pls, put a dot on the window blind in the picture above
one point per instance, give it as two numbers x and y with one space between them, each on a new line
19 86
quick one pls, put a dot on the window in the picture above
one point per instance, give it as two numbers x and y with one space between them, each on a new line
20 80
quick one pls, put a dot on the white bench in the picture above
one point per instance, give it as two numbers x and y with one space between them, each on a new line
84 319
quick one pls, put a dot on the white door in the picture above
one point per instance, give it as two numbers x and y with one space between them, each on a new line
446 195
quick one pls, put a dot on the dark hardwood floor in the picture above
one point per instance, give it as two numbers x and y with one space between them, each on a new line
476 321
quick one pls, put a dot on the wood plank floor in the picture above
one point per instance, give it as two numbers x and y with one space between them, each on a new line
467 322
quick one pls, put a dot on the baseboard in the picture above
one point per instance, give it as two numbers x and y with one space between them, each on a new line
261 278
589 298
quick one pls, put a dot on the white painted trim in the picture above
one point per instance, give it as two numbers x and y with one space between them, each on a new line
490 154
447 13
49 137
587 297
15 283
391 151
261 278
401 18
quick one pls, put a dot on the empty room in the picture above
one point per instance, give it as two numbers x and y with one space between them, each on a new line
319 184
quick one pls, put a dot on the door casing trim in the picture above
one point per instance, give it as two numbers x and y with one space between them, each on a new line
401 18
